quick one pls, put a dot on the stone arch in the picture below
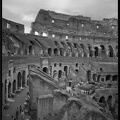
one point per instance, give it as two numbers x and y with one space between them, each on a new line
49 51
110 51
66 70
89 75
60 73
83 49
103 50
90 50
109 100
96 51
102 99
30 49
76 70
45 69
14 86
44 34
9 89
56 52
19 80
94 77
115 78
23 78
108 77
61 52
54 73
36 33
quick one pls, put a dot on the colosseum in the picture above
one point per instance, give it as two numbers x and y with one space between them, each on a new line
69 64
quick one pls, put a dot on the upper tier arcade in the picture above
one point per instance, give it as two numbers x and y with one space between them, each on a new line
48 22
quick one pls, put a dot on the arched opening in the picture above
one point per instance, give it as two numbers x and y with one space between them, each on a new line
9 89
36 33
23 79
115 78
76 71
69 45
90 51
14 86
108 77
103 50
83 49
54 73
45 69
89 75
111 52
44 34
102 100
60 73
19 80
94 77
61 52
96 52
56 52
30 50
5 90
66 70
98 78
109 100
49 51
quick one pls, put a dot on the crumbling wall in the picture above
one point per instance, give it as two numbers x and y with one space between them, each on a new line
37 88
12 26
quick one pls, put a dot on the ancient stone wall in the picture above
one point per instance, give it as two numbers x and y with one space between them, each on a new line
12 26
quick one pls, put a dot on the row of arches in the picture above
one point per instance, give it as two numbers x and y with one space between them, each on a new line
96 78
75 50
110 105
60 72
72 50
11 87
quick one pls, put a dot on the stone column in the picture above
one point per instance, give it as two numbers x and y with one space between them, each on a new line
6 96
21 80
3 95
28 51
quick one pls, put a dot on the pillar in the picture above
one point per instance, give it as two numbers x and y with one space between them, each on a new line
6 96
3 95
27 51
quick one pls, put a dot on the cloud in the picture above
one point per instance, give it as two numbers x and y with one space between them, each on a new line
28 18
25 11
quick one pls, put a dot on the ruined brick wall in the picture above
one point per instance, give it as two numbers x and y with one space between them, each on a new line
38 87
12 26
45 106
57 22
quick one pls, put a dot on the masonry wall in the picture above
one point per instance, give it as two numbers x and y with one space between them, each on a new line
37 88
45 106
12 26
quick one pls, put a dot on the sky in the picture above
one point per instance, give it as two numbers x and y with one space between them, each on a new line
25 11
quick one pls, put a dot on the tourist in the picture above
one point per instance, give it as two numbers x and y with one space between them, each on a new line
12 117
22 114
20 109
17 113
